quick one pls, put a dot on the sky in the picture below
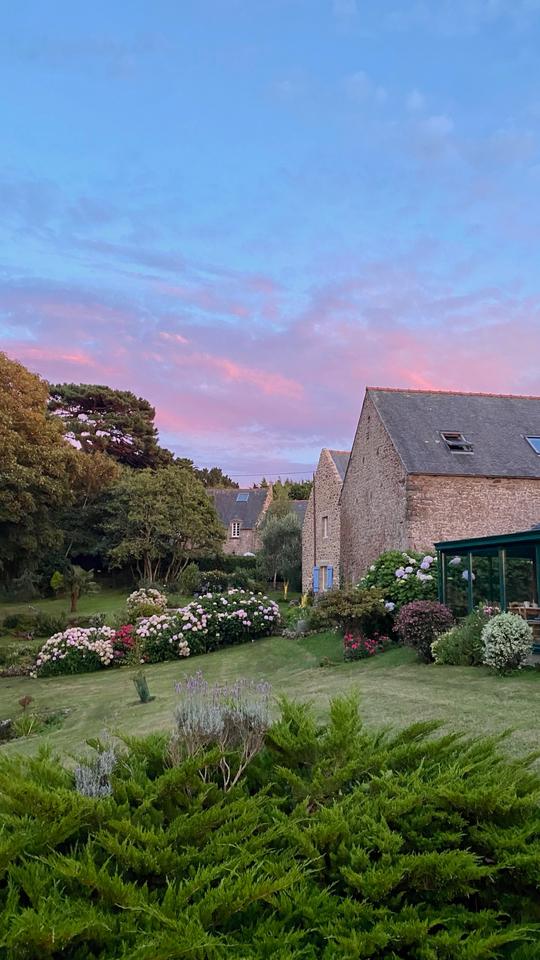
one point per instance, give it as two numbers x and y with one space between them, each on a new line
248 210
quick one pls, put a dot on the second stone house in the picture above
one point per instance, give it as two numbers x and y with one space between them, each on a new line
321 532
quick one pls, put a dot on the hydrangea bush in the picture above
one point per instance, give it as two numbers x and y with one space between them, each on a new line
218 620
160 637
145 602
403 577
507 640
76 650
212 621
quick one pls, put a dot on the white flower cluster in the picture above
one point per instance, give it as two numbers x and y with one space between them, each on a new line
98 640
166 627
507 640
145 597
421 572
211 610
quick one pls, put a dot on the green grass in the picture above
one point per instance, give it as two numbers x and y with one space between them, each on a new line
106 601
394 689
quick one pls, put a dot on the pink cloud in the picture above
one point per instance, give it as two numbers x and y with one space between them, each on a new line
267 393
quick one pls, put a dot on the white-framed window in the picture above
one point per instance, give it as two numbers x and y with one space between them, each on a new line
235 529
325 528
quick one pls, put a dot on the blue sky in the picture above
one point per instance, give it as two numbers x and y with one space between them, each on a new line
246 211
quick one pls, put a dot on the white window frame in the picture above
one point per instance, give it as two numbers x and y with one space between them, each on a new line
235 529
323 578
324 521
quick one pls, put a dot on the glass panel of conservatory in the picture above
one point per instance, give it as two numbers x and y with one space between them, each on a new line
520 580
456 571
486 581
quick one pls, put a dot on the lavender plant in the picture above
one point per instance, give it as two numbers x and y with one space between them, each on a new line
232 717
94 779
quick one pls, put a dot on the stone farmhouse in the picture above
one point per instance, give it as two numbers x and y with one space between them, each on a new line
428 466
241 513
321 533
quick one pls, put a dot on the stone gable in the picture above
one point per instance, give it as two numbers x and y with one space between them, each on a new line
321 530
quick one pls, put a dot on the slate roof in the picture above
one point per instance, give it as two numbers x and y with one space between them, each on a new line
299 507
495 424
341 460
228 507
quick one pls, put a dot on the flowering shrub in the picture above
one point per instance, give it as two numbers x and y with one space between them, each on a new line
145 602
358 647
212 621
161 638
507 640
123 643
76 650
463 644
418 624
403 577
217 620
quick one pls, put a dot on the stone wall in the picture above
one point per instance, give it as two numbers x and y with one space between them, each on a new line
373 499
316 550
451 508
249 540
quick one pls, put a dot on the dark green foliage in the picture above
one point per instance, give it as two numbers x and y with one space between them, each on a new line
339 843
353 609
189 580
463 645
113 422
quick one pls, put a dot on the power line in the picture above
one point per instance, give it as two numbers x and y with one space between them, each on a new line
285 473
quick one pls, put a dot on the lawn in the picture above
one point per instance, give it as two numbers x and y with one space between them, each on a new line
394 689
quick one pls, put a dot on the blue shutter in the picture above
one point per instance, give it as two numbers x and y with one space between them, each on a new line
315 579
329 578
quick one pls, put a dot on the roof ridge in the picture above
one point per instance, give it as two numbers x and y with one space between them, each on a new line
456 393
331 450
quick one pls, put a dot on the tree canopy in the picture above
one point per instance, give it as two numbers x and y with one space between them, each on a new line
37 467
214 477
115 422
281 551
160 520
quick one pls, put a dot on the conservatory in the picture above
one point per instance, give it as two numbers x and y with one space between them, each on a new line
501 571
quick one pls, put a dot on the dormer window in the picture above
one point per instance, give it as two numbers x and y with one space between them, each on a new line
456 442
235 529
534 443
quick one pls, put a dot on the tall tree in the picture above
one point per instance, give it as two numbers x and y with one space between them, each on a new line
114 422
160 520
82 521
214 477
37 466
281 551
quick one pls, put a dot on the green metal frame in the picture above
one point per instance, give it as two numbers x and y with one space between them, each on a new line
489 546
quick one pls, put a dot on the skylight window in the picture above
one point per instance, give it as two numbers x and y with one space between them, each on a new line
535 444
242 497
456 442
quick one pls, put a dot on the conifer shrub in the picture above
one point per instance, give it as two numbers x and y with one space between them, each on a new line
336 842
189 581
418 624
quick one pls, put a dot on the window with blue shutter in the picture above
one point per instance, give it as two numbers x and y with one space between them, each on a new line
315 579
329 578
